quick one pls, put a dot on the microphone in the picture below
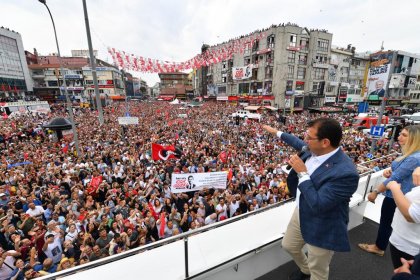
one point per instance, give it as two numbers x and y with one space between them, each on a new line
300 154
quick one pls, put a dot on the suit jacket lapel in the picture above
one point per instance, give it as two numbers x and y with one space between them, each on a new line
327 165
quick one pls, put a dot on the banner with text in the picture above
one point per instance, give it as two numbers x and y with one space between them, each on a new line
242 73
379 71
189 182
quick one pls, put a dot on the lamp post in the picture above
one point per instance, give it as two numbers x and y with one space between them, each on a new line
93 67
68 104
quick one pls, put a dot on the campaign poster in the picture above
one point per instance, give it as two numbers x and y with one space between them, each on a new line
378 75
189 182
242 73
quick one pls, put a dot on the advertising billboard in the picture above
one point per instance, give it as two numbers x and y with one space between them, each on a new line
378 75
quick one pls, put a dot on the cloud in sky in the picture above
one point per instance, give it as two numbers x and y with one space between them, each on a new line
175 30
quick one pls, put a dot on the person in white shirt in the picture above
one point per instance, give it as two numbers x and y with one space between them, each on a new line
221 209
35 210
234 205
405 237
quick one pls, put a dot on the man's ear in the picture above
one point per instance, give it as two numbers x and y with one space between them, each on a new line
326 143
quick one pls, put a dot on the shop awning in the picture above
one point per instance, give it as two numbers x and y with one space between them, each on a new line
117 97
252 108
271 108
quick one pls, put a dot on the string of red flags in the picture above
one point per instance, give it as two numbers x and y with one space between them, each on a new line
212 55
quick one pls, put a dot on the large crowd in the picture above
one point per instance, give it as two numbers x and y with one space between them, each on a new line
59 209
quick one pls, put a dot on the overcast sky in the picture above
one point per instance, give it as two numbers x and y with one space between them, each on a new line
175 29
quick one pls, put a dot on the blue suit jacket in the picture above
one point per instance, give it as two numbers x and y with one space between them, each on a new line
324 200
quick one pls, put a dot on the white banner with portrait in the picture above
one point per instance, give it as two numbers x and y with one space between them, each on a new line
242 73
189 182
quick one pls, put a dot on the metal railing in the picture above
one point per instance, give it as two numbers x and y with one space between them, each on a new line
139 250
185 236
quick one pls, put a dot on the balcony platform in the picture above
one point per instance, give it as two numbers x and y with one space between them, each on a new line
356 265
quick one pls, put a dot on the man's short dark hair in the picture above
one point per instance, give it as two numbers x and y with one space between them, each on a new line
328 129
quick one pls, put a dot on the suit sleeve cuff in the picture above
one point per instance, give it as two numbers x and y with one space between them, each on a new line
279 133
304 178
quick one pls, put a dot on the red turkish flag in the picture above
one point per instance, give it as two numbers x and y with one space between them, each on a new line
160 152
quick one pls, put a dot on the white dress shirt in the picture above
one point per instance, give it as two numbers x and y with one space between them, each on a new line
311 164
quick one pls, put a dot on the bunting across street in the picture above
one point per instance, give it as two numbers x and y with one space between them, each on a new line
212 55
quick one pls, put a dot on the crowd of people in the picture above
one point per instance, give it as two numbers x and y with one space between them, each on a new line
59 209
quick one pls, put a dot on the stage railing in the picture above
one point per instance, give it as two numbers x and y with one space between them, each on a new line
195 253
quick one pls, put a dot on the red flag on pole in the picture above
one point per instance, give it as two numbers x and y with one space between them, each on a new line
162 225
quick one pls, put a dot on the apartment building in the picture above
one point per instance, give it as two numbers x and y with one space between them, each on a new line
346 76
15 81
286 68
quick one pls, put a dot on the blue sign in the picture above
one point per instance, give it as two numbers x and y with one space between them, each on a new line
377 131
363 107
369 156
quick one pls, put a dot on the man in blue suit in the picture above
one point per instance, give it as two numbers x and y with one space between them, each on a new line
323 180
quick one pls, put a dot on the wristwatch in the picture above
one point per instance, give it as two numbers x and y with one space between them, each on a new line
375 191
301 174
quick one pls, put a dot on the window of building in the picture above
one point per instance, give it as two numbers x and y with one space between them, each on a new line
304 44
247 50
268 87
300 85
269 73
270 41
290 71
323 45
302 59
319 73
52 83
247 60
224 64
255 45
291 56
292 40
243 88
289 85
329 88
301 73
269 58
230 63
315 86
321 58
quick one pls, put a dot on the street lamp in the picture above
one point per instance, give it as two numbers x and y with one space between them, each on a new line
93 66
69 108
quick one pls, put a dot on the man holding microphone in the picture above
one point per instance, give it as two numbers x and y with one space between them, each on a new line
323 179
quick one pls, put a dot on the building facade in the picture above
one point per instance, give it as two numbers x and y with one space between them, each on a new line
15 81
392 77
346 77
48 82
175 85
287 68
